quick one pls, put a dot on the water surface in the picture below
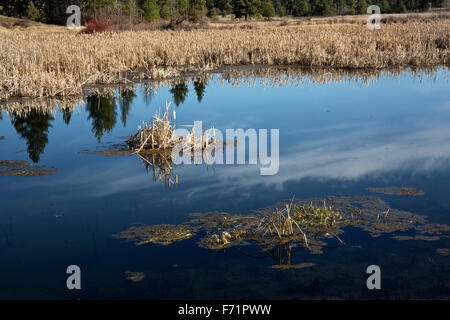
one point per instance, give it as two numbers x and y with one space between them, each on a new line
339 135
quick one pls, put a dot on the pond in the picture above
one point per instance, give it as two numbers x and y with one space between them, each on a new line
373 136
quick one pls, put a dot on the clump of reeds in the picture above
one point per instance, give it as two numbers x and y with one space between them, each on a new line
160 134
155 141
295 221
282 224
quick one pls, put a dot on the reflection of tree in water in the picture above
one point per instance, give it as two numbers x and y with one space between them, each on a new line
126 99
179 92
199 86
34 128
66 114
102 111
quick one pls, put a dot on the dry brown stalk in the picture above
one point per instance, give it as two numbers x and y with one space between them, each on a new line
59 64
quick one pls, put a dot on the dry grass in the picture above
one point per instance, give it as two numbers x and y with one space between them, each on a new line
282 224
161 134
8 24
227 22
60 64
268 76
154 143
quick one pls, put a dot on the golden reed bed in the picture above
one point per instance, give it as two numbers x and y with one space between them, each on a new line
60 64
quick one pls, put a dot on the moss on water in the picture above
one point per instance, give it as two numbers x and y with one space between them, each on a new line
310 223
397 191
134 276
159 234
294 266
443 251
24 168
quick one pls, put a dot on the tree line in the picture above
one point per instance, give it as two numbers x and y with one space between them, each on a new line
54 11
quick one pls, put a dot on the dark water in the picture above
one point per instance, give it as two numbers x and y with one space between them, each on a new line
337 138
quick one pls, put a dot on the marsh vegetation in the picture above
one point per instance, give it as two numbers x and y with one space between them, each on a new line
62 64
24 168
312 224
397 191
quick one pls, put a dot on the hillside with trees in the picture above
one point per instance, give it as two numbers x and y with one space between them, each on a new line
54 11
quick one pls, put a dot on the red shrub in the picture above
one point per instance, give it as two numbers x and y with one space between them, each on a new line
7 25
95 25
116 23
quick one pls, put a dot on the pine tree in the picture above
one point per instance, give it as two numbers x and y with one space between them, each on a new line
303 8
268 11
228 7
361 7
385 7
151 10
164 11
326 7
352 6
342 7
54 11
34 13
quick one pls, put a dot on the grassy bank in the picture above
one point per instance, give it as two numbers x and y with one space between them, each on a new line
59 64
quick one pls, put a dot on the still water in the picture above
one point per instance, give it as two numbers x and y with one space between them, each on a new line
339 135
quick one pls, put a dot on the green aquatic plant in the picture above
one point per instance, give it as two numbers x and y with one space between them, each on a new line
313 214
312 224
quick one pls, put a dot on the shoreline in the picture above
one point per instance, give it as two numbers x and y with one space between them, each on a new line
62 65
277 75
